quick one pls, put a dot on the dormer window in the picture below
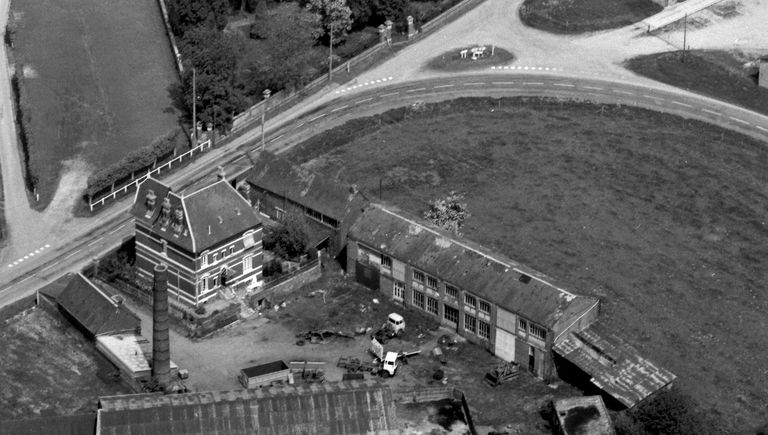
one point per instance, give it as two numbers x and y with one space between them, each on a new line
149 203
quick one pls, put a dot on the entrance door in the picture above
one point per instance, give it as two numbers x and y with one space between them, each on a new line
532 359
505 345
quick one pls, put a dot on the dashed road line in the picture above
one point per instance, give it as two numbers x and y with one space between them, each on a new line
740 120
533 83
594 88
340 108
299 126
317 117
94 242
50 266
275 138
653 97
28 256
681 104
72 253
363 101
619 91
502 83
389 94
761 128
711 112
443 86
564 85
416 90
474 84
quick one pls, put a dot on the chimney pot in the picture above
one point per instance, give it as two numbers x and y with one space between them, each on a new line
221 174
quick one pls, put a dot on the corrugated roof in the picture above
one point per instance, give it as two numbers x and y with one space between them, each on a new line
468 266
79 424
331 408
303 186
583 416
209 215
615 366
95 309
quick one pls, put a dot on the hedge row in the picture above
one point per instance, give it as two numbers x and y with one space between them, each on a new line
23 123
139 160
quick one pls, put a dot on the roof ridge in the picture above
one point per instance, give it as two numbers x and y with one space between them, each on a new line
477 251
205 187
189 224
101 292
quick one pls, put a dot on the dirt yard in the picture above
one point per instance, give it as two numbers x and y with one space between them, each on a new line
47 367
660 217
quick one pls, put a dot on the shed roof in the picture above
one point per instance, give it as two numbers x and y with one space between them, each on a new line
331 408
263 369
276 175
131 352
469 266
209 215
615 366
55 288
583 416
78 424
95 309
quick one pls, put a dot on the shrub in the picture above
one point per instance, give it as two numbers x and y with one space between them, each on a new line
667 412
288 239
272 267
138 160
357 42
200 310
23 123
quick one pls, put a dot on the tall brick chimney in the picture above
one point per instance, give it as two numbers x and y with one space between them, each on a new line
161 352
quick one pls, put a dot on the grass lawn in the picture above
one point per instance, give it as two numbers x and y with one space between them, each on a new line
662 218
571 16
47 367
96 73
717 74
452 60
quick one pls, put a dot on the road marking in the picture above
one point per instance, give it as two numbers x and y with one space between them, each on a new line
275 138
533 83
389 94
317 117
416 90
340 108
474 84
502 83
740 120
564 85
25 279
619 91
47 246
594 88
71 254
712 112
443 86
94 242
363 101
49 267
761 128
681 104
299 126
117 229
653 97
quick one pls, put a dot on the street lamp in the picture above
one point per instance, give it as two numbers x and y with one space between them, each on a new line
266 95
330 55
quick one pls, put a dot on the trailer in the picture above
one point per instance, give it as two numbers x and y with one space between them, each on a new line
276 372
503 372
308 371
355 365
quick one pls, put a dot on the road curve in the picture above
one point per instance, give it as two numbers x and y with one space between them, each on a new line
76 250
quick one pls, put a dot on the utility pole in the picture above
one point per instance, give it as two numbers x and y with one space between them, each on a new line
266 95
685 34
330 56
194 108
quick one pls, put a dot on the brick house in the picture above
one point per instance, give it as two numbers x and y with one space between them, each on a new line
210 239
514 312
275 187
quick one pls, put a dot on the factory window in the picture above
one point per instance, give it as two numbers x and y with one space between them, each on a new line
485 307
314 214
470 323
231 250
538 332
279 213
255 261
215 281
386 262
432 282
451 314
431 305
522 326
418 276
246 264
398 290
418 299
451 291
470 300
483 330
204 258
215 257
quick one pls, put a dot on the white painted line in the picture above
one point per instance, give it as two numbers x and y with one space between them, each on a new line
299 126
47 245
681 104
389 78
533 83
275 138
389 94
363 101
26 256
474 84
761 128
378 81
317 117
493 67
340 108
71 254
711 112
442 86
48 267
564 85
653 97
619 91
740 120
31 254
37 251
94 242
416 90
10 265
502 83
24 279
594 88
546 68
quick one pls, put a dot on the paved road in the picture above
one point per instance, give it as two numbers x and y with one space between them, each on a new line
116 226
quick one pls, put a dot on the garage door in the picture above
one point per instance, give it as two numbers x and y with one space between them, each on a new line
505 345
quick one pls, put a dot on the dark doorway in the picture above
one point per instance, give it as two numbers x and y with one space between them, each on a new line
532 359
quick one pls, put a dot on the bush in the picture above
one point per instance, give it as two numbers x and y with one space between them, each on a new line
24 124
667 412
138 160
200 310
357 42
288 239
272 267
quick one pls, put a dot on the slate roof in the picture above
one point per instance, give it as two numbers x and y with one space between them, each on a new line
334 408
276 175
469 266
78 424
615 366
209 215
55 288
95 309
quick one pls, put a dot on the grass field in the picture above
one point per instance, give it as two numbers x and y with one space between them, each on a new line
452 61
47 367
662 218
570 16
717 74
96 74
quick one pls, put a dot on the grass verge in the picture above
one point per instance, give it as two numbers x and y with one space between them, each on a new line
717 74
452 60
585 15
659 216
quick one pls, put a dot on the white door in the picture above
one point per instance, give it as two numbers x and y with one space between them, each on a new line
505 345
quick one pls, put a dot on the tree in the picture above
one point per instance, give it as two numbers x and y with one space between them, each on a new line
667 412
448 213
188 14
335 17
395 10
362 12
289 239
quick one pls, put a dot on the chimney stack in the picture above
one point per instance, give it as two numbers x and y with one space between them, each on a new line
221 174
161 352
